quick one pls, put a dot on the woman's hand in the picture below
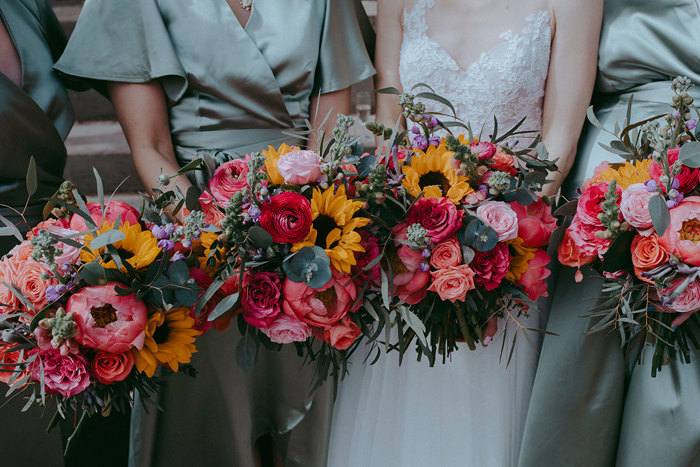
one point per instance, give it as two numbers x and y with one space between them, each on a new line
387 57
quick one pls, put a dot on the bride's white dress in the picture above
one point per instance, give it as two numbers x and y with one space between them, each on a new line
471 410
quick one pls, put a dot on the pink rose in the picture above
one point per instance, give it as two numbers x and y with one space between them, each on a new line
410 282
446 254
533 279
112 367
66 375
322 307
686 304
262 296
483 150
438 216
453 283
300 167
229 178
286 329
25 274
682 237
108 321
501 218
589 203
634 207
535 223
113 210
491 266
342 335
583 236
687 179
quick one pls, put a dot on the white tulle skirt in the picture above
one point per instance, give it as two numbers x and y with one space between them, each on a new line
469 411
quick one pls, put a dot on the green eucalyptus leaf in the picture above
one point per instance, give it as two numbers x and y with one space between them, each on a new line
192 198
567 209
223 307
10 229
107 238
690 155
93 274
660 214
187 297
100 191
246 353
31 179
179 273
259 237
388 90
213 288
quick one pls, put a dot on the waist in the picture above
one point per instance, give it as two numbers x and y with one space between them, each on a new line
655 92
238 142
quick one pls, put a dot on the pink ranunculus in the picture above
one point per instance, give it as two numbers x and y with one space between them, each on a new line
229 178
410 282
286 329
66 375
110 367
262 297
301 167
320 307
446 254
453 283
483 150
686 304
438 216
108 321
212 214
342 335
113 210
682 237
583 236
535 223
501 218
688 178
589 203
533 279
491 266
634 207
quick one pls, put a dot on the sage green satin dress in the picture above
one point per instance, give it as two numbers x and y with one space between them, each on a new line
231 90
590 407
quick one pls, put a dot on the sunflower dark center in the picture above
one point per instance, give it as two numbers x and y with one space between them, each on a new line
103 315
324 225
162 333
123 254
435 178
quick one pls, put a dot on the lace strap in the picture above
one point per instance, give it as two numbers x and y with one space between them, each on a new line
414 20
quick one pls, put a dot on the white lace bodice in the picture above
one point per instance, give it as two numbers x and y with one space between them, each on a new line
507 81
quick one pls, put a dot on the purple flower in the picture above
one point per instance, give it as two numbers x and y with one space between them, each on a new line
254 213
415 130
432 121
426 253
160 233
434 141
675 183
178 257
652 186
691 124
420 142
676 198
166 244
425 267
187 243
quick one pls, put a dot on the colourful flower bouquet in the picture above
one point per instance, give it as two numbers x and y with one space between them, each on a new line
467 235
638 223
93 301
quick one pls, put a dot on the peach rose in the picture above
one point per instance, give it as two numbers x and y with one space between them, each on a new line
453 283
634 207
647 254
342 335
501 218
27 277
111 367
7 272
446 253
682 237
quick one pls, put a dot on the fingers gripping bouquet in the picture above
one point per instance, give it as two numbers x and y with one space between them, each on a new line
638 223
466 244
93 301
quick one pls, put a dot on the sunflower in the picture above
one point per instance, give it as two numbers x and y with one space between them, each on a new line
334 227
522 256
139 247
170 337
432 174
272 156
202 250
626 174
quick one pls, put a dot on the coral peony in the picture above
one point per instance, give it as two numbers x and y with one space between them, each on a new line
112 367
533 279
229 178
262 296
634 207
501 218
453 283
301 167
535 223
286 329
687 179
682 237
447 253
287 217
320 307
438 216
106 320
114 209
491 266
66 375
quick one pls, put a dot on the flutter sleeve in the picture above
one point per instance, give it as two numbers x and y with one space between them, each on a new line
123 41
347 44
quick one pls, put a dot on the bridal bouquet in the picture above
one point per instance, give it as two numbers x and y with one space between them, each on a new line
468 232
93 301
638 222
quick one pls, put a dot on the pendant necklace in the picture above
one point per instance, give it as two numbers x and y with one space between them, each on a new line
246 4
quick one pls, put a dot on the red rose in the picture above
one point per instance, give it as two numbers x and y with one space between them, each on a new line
483 150
491 266
287 217
439 216
687 179
111 367
535 223
262 296
201 321
504 162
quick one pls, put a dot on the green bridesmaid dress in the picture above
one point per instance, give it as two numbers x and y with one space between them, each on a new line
231 90
590 407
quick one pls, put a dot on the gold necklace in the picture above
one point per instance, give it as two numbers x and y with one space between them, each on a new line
246 4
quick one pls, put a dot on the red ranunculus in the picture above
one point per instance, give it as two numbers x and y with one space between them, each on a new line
262 297
287 217
439 216
491 266
687 179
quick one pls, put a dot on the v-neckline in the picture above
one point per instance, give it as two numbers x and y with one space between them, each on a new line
6 23
233 13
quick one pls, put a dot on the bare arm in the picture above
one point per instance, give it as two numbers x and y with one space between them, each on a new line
389 37
337 102
572 73
143 115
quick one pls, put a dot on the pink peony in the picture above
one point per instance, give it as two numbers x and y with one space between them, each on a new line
286 329
453 283
688 178
491 266
301 167
108 321
66 375
589 203
533 279
682 237
342 335
113 210
535 223
634 207
446 254
262 296
688 302
438 216
229 178
410 282
322 307
110 367
501 218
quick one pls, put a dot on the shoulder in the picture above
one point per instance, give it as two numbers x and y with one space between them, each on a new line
570 13
392 9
